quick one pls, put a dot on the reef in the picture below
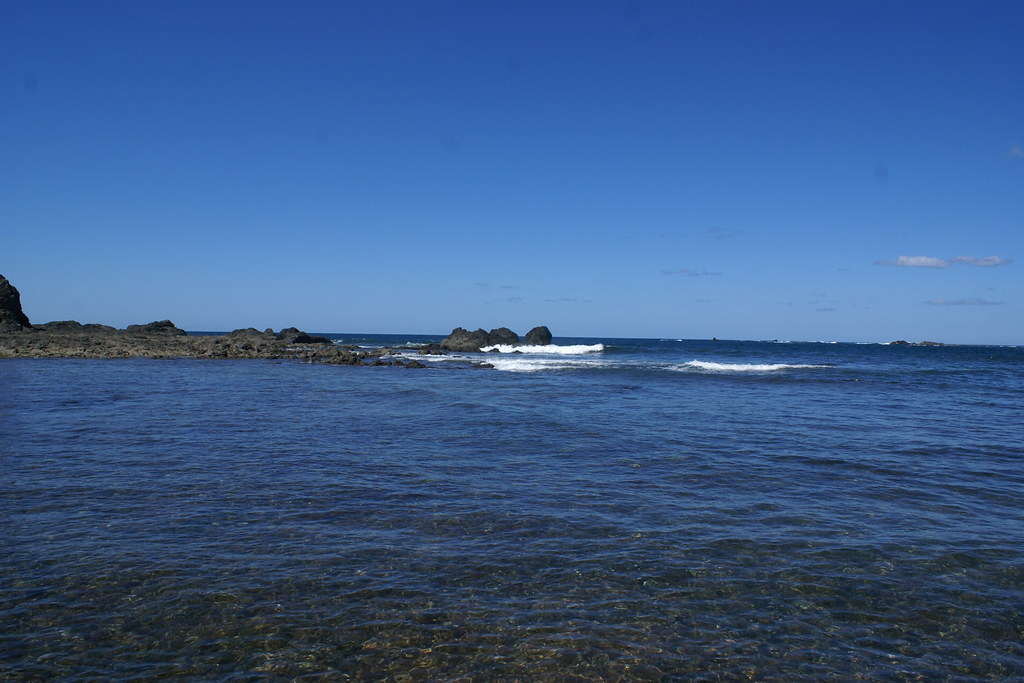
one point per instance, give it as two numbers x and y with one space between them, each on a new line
19 338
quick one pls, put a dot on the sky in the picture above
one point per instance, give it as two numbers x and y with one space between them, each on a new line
799 170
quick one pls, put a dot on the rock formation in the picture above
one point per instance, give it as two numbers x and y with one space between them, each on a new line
503 335
159 327
462 340
904 342
12 318
164 339
538 336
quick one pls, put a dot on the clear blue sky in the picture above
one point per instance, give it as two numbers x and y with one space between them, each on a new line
847 171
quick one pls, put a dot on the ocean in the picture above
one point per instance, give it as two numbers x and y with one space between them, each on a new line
605 509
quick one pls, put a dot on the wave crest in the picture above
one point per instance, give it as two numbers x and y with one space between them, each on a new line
706 366
549 349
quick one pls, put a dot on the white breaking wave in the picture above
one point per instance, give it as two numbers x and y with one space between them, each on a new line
549 349
526 363
705 366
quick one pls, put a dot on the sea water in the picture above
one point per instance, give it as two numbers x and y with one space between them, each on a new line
600 509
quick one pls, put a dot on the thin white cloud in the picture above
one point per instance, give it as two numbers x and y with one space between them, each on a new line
972 301
915 262
689 271
720 233
935 262
1017 151
985 262
568 300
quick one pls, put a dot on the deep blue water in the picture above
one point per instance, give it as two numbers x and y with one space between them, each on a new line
655 510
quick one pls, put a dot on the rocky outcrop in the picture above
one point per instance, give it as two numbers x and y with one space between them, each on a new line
75 327
904 342
294 335
70 339
503 335
164 339
462 340
163 327
538 336
12 318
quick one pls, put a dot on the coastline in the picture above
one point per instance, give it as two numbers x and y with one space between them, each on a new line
19 338
165 340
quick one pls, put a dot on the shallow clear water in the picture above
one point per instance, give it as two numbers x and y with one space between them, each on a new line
772 511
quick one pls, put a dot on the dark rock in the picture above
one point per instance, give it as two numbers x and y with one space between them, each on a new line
464 340
292 335
431 349
502 335
12 318
95 328
75 327
163 327
303 338
61 326
904 342
539 336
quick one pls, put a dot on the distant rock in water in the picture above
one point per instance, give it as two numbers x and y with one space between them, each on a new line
904 342
538 336
12 318
463 340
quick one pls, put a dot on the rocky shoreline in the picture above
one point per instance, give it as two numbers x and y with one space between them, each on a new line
19 338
